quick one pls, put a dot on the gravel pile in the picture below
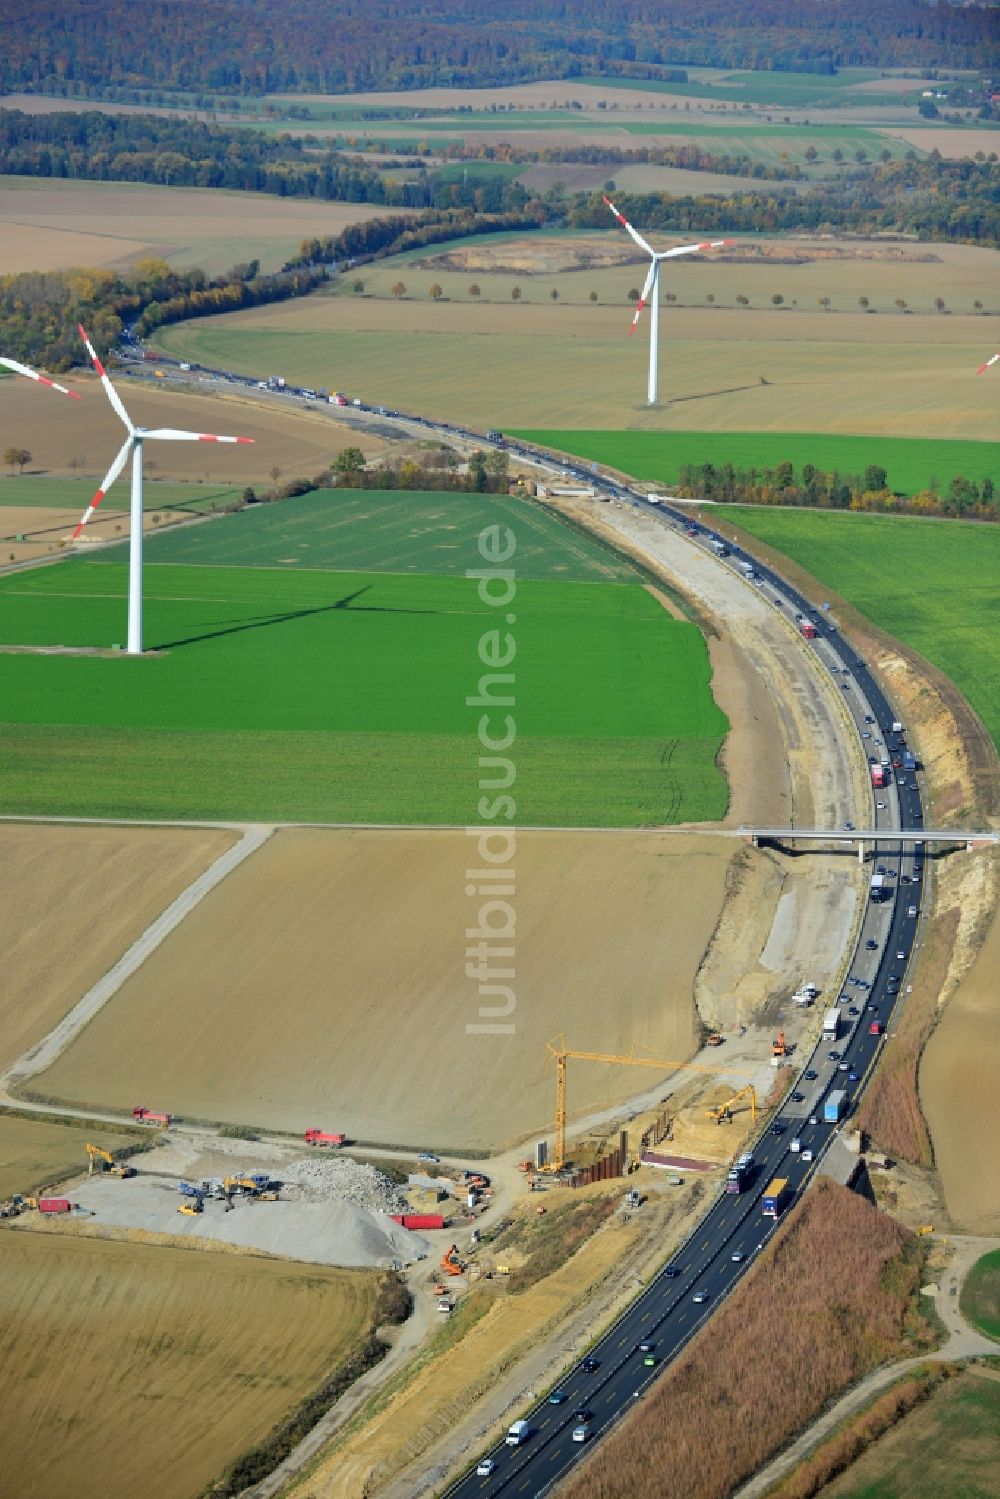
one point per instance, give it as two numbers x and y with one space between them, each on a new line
340 1179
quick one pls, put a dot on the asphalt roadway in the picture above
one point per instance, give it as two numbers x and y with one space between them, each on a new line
735 1230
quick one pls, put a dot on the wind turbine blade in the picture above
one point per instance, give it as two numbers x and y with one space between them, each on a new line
706 244
980 371
112 394
22 369
106 483
173 434
626 225
644 298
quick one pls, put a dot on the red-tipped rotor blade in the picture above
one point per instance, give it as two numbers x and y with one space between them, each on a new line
644 298
22 369
627 226
106 483
706 244
980 371
112 394
173 434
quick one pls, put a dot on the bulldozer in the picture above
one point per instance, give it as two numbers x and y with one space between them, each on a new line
192 1208
111 1166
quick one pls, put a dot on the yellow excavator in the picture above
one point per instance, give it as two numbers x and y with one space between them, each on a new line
724 1113
111 1166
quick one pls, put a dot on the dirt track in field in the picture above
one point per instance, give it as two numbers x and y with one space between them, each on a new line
323 982
132 1369
73 899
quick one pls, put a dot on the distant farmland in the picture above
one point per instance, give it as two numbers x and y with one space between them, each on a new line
911 463
929 583
341 696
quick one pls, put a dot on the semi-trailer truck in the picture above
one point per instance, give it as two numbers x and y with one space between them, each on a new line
835 1107
775 1198
831 1025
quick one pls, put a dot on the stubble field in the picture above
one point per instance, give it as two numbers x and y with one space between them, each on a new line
569 363
329 971
74 899
54 225
35 1153
132 1369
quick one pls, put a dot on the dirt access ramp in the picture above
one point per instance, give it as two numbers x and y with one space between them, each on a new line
324 983
73 899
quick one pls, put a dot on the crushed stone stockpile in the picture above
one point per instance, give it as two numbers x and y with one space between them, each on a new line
341 1179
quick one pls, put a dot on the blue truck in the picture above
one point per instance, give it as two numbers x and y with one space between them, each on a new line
835 1106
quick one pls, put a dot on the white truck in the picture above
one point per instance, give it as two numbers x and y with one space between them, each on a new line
831 1025
517 1434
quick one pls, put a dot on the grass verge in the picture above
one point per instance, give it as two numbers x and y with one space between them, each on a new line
980 1299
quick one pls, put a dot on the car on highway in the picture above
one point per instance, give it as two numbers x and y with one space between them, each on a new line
834 1056
737 1256
871 945
590 1365
880 806
700 1297
848 827
853 1010
810 1075
672 1271
777 1130
842 1066
806 1155
581 1432
852 1077
582 1414
868 718
813 1118
901 957
485 1468
797 1097
650 1361
558 1397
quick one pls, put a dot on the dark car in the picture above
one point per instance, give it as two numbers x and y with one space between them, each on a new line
777 1129
671 1271
590 1366
834 1056
871 945
797 1097
853 1010
810 1076
646 1346
558 1397
582 1414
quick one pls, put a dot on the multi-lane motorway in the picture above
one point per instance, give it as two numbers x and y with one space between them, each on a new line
677 1301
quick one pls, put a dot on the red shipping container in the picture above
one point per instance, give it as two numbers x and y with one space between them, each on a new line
54 1205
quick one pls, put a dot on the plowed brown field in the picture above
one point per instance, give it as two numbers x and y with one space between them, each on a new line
324 983
295 441
72 900
46 531
129 1369
958 1091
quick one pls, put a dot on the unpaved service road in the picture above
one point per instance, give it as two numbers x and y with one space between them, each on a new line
324 983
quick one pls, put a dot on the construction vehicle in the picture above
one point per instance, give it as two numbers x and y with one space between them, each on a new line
562 1053
191 1209
778 1047
188 1189
450 1263
248 1184
323 1137
724 1113
714 1039
113 1167
147 1116
15 1205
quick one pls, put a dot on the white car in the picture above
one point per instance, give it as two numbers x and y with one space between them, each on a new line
807 1155
485 1468
880 806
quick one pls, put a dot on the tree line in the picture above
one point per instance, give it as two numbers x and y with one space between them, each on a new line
374 239
812 488
254 47
180 152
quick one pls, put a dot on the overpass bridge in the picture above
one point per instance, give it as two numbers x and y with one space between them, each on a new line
913 837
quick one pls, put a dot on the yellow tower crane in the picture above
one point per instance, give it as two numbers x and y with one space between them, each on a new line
724 1113
562 1054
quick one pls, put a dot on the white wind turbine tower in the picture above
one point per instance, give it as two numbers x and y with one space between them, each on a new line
651 290
22 369
133 446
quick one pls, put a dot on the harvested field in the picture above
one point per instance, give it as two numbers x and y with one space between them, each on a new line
363 934
952 143
74 899
35 531
642 177
36 1152
53 225
88 432
161 1339
803 1347
958 1093
949 1445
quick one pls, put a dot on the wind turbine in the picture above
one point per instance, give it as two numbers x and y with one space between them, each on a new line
984 367
132 446
651 290
22 369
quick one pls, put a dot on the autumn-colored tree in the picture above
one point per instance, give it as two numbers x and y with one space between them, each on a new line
17 458
742 301
398 289
435 291
939 303
474 290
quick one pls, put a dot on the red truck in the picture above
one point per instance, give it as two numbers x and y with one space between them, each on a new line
876 1028
878 776
323 1137
147 1116
54 1205
419 1220
807 629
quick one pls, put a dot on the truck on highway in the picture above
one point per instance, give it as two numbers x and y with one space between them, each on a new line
719 547
517 1434
806 628
835 1107
831 1024
775 1198
878 776
879 890
323 1137
909 760
739 1174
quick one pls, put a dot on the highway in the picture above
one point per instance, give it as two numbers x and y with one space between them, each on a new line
734 1231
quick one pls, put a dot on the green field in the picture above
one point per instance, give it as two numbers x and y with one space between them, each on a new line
911 463
980 1300
949 1446
929 583
389 531
73 494
341 696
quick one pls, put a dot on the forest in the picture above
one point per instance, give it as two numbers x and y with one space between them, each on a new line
811 488
253 47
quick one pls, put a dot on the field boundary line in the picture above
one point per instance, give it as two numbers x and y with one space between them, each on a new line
45 1052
